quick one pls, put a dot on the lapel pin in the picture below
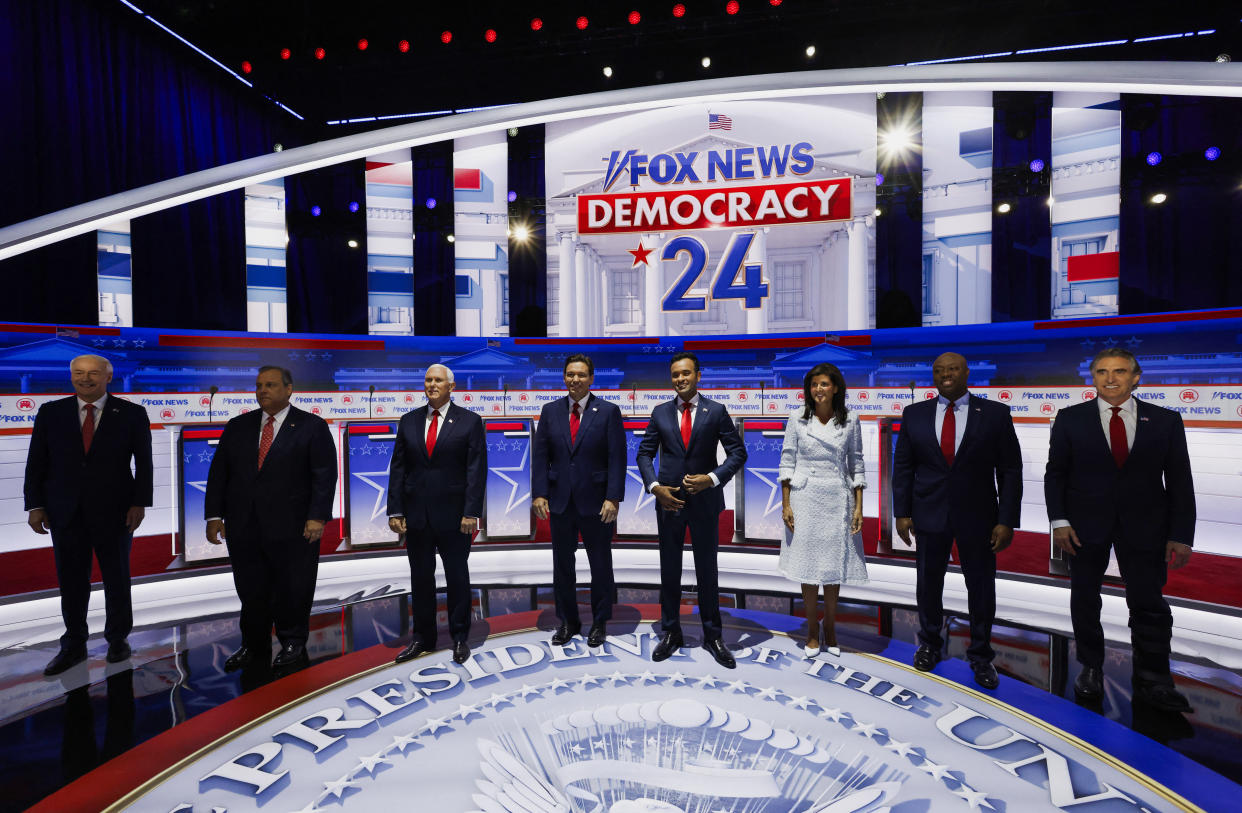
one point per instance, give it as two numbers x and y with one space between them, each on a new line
1143 419
595 409
450 420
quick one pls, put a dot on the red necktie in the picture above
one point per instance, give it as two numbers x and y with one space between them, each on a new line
88 428
265 439
432 430
1117 437
573 425
948 434
685 424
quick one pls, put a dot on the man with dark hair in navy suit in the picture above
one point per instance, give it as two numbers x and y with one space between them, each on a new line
269 494
79 487
957 475
1118 477
685 433
577 483
435 498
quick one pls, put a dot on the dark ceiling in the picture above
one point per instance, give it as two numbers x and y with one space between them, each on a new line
559 59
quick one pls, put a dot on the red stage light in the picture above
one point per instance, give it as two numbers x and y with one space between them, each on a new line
774 3
285 53
490 35
679 10
635 18
320 53
247 67
536 24
732 7
404 46
362 44
582 23
446 37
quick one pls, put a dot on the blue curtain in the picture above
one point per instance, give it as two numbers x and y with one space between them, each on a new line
326 277
435 261
528 259
1184 253
1022 236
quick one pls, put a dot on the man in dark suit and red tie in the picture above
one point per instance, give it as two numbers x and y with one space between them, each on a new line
435 498
957 476
690 491
80 488
578 481
269 493
1118 477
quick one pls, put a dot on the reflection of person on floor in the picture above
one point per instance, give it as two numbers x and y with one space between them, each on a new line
79 751
822 479
957 477
1118 477
685 432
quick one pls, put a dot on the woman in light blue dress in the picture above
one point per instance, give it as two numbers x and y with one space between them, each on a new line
822 480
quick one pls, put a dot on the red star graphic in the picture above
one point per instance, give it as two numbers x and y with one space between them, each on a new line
640 254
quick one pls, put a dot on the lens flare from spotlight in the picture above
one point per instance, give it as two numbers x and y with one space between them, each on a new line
521 233
897 141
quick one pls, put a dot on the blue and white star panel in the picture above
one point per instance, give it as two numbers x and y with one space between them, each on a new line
761 490
368 460
506 508
637 516
197 447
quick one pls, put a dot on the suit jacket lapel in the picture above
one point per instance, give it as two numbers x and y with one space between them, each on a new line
420 424
109 415
446 428
1142 429
582 422
71 422
700 418
974 419
290 425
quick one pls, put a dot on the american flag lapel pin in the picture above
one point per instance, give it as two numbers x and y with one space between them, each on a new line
1144 419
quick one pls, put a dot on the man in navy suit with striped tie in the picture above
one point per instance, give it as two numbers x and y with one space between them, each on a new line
80 488
690 491
577 484
957 477
1119 477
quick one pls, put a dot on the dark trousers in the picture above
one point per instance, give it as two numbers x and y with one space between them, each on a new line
73 544
597 539
704 530
275 580
1151 621
421 546
979 571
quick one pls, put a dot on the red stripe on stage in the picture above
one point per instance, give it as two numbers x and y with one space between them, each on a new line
467 179
593 340
752 343
1093 267
367 430
635 424
201 433
10 328
17 430
1141 319
763 426
504 426
271 344
850 341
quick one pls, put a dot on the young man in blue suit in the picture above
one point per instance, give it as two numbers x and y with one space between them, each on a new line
269 495
689 489
1119 477
577 483
957 475
79 487
435 498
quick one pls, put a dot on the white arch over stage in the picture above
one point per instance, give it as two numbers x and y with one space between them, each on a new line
1173 78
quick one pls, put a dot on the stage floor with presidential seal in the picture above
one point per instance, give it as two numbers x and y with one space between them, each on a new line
527 726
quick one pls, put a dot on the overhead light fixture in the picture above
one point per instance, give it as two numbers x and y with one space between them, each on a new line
490 35
1159 197
706 62
520 233
810 51
1004 208
582 23
608 71
352 244
451 238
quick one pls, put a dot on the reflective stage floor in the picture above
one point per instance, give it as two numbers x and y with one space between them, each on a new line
864 731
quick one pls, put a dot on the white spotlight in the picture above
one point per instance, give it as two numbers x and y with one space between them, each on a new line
706 62
520 234
353 243
1004 208
451 239
810 51
1159 197
608 71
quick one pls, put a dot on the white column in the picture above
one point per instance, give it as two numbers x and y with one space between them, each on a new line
602 300
565 274
653 286
756 318
857 277
582 262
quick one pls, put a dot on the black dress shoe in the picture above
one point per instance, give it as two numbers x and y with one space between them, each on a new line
118 652
417 647
721 653
564 632
926 658
238 660
1090 683
461 651
599 631
670 643
65 659
1160 696
289 655
985 674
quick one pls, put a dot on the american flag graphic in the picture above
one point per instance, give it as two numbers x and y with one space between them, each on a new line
719 121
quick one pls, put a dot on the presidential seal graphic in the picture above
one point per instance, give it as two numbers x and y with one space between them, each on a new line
528 727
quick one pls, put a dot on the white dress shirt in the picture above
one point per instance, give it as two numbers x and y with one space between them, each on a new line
442 412
280 421
960 415
99 407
